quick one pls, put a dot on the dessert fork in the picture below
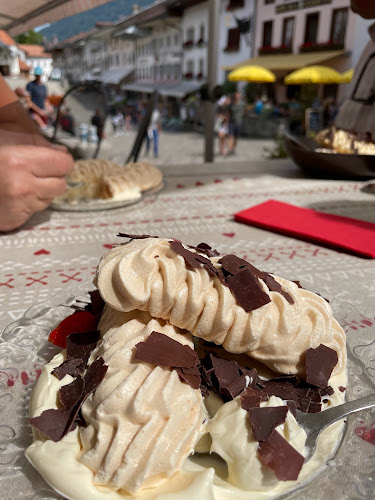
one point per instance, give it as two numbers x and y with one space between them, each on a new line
314 423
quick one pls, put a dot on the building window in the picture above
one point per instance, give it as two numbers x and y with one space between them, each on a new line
235 4
338 25
288 27
176 39
117 60
168 41
201 35
190 35
233 41
311 28
267 33
269 1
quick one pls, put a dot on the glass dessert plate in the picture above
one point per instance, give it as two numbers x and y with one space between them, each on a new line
99 204
24 349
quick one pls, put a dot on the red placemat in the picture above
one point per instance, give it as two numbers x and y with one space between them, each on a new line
343 233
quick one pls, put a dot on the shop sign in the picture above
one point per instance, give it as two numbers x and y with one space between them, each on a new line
301 4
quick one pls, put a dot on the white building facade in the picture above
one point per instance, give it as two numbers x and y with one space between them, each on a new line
314 28
35 55
233 46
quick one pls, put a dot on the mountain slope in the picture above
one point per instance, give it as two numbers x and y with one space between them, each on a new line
111 11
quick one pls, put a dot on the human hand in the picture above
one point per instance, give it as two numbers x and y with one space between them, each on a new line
31 176
11 137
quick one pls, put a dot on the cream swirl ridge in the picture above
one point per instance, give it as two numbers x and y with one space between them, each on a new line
142 420
148 275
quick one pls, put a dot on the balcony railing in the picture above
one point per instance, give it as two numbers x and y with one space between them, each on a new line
320 46
269 50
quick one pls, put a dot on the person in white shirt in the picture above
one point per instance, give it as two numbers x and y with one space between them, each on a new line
153 132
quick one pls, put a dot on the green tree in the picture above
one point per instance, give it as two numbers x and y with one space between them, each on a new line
30 37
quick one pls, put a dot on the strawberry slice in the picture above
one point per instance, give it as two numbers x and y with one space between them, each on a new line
80 321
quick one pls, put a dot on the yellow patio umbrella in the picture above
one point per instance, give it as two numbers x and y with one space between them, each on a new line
313 74
347 76
251 74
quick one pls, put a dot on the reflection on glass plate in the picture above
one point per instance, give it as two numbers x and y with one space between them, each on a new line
24 350
99 204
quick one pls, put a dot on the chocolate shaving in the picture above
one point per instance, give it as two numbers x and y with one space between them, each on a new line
161 350
275 286
55 424
247 290
71 367
135 236
97 304
52 423
71 394
189 257
80 345
281 457
342 388
94 376
319 365
251 398
206 249
190 375
265 420
292 408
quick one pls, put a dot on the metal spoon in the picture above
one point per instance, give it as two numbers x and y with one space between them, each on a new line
314 423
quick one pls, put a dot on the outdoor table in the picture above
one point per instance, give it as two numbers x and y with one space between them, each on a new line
55 254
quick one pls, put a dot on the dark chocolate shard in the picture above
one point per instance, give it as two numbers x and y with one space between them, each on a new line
342 388
209 251
71 367
247 291
211 269
328 391
231 264
265 420
206 249
226 371
320 363
159 349
283 390
315 407
80 345
94 376
189 257
281 457
251 398
96 305
51 423
275 286
136 236
190 375
292 408
297 283
70 395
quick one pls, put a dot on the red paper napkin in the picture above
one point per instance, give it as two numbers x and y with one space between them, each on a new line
343 233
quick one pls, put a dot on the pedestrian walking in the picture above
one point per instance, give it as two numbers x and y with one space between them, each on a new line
236 111
153 132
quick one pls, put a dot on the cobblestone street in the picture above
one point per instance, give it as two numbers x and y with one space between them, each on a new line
185 148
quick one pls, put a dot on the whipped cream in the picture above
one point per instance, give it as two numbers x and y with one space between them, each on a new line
202 476
148 275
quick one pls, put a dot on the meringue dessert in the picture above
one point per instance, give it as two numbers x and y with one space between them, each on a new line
345 142
102 179
185 380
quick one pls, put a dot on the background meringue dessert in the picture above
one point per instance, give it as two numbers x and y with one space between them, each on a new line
182 377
